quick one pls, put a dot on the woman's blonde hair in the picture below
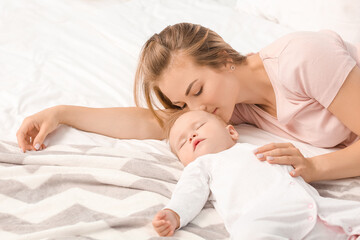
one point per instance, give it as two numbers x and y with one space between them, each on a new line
202 44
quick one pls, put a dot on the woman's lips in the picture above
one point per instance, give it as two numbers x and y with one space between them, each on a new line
196 142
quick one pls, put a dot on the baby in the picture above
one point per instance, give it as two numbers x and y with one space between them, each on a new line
255 199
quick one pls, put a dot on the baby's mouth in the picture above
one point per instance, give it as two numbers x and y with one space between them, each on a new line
196 142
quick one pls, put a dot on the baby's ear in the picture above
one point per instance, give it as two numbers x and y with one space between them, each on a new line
233 133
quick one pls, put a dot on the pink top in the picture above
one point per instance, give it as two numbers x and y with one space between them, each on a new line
306 70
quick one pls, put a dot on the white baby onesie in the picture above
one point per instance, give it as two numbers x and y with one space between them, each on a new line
258 200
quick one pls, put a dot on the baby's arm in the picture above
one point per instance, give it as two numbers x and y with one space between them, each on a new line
166 222
187 200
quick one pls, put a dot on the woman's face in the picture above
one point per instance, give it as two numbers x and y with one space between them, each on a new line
188 85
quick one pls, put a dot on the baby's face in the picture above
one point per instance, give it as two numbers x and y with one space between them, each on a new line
197 133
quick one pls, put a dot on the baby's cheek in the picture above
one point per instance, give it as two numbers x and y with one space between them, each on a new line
204 150
185 159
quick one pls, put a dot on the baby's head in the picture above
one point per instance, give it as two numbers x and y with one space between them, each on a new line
195 133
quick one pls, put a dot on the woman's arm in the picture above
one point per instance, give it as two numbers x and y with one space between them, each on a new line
130 123
343 163
120 122
345 106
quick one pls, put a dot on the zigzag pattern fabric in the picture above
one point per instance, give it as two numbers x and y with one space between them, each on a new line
87 192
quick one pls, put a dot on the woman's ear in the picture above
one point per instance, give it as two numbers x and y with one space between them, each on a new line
229 61
233 133
229 65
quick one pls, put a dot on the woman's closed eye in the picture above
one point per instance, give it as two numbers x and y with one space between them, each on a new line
196 94
182 107
199 92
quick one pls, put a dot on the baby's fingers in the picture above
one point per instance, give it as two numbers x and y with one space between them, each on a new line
158 223
162 227
168 231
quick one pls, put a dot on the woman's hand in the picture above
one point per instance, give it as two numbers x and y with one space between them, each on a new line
287 154
35 128
166 222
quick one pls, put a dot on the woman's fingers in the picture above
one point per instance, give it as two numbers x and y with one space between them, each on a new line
276 150
279 153
271 146
31 135
21 141
40 137
24 141
297 172
286 154
282 160
25 134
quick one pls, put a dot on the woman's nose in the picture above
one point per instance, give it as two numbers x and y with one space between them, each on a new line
202 108
196 106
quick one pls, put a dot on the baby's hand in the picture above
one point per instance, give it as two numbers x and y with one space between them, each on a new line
166 222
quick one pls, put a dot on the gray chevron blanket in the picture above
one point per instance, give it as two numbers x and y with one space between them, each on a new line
90 192
87 192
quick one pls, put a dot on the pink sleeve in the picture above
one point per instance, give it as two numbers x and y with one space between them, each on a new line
315 65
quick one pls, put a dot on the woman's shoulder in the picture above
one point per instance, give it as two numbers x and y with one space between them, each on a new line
302 44
310 65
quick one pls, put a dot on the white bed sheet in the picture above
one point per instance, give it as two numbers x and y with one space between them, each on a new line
82 52
85 52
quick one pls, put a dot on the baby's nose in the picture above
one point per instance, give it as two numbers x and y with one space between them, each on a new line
192 137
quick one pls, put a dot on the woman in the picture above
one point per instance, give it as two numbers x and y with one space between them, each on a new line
304 86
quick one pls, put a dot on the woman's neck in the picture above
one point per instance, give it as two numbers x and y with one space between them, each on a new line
255 85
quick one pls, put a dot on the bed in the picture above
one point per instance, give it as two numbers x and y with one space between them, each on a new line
84 52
